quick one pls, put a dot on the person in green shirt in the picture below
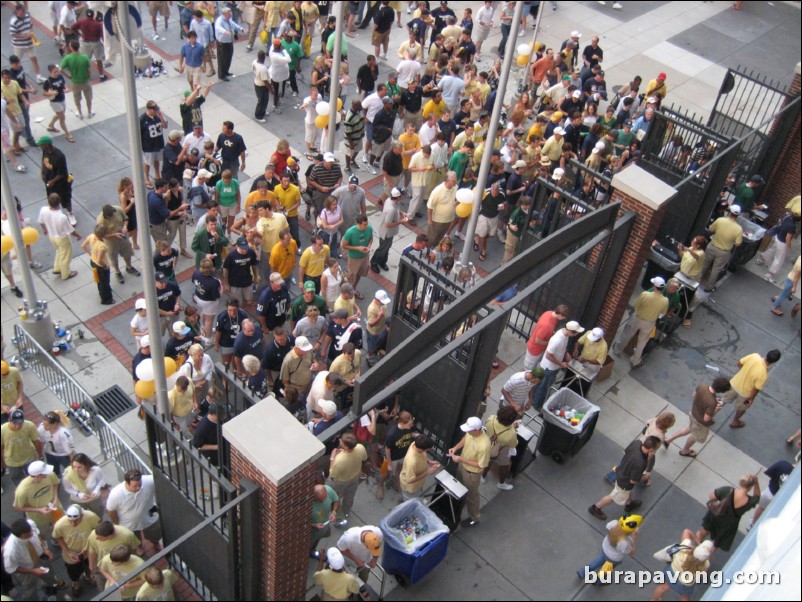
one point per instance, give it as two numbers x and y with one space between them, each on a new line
306 299
459 160
515 226
357 241
296 54
745 194
228 197
625 138
76 67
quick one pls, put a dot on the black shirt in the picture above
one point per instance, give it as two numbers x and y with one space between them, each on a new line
55 164
335 331
207 288
170 167
384 19
383 124
275 354
18 75
206 434
136 361
164 263
249 345
631 466
58 84
175 348
398 441
231 147
228 327
273 306
174 201
191 114
490 204
366 78
239 267
168 296
271 183
589 51
393 164
150 129
412 101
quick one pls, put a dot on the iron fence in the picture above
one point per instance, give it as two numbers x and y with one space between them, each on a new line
30 354
116 450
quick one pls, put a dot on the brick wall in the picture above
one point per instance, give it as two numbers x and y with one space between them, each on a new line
283 525
784 180
635 254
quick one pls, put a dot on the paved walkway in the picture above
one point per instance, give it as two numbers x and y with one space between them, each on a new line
532 538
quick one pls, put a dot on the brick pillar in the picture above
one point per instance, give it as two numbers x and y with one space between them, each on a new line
272 449
646 196
784 179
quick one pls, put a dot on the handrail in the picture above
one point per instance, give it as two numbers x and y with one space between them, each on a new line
114 448
80 405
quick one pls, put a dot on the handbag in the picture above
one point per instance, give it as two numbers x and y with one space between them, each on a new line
667 553
719 507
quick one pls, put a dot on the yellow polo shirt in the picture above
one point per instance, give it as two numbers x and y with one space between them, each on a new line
256 196
434 107
282 259
691 267
410 142
752 376
287 198
269 229
650 305
478 450
441 202
348 465
314 263
726 233
593 351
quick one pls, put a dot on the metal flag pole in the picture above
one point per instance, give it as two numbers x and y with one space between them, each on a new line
492 130
339 7
141 208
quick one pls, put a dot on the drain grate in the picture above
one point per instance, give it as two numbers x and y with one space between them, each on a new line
113 403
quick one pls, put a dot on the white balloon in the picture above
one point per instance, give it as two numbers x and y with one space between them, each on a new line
171 380
322 108
144 371
465 195
524 49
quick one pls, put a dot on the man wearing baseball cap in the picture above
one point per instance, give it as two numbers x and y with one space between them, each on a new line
376 321
725 235
657 87
296 374
592 357
475 457
324 179
555 359
37 497
241 271
649 306
363 546
20 444
391 219
71 532
178 345
337 583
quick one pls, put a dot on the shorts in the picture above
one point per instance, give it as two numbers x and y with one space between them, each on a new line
699 431
243 293
57 107
379 148
390 182
358 266
227 351
151 158
81 89
228 210
620 496
733 396
486 226
379 39
94 50
503 458
369 130
22 52
481 33
6 265
159 8
765 498
309 137
353 8
208 308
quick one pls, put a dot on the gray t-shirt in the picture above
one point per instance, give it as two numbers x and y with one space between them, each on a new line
389 214
310 330
351 204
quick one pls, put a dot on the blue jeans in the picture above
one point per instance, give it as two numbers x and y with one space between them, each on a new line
542 390
294 230
333 240
785 293
505 33
26 132
594 565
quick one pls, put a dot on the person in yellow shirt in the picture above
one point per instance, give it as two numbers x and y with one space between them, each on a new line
503 439
726 235
269 227
657 87
118 564
441 207
411 145
592 357
748 382
262 194
282 255
336 582
416 467
158 585
37 497
346 466
99 260
649 306
475 457
435 105
692 260
313 262
288 196
102 541
71 532
180 399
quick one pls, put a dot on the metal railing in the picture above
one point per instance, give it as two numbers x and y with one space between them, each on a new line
80 406
114 449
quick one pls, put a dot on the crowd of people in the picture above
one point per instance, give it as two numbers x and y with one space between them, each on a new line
285 318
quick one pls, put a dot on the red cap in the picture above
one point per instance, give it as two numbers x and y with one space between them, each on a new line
661 76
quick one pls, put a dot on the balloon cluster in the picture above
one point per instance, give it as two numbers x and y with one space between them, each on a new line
29 236
524 53
322 109
145 387
465 200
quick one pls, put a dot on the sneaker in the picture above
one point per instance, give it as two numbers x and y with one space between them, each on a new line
249 47
750 523
40 78
20 169
155 36
633 505
365 159
132 270
596 512
770 278
120 278
341 524
617 5
35 265
459 235
73 221
103 77
90 115
759 260
520 33
505 486
385 267
295 94
263 120
502 237
469 522
373 169
17 292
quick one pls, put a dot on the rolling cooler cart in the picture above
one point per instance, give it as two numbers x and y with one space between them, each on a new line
410 554
568 424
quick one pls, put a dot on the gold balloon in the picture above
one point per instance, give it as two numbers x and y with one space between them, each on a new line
145 389
464 209
7 244
263 37
169 366
322 122
30 235
522 60
339 104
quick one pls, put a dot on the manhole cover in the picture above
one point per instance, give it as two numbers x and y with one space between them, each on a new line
113 403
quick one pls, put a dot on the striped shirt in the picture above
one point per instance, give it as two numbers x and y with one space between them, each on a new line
327 178
518 388
21 27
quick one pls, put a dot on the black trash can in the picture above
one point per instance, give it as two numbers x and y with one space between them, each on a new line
752 237
663 261
560 438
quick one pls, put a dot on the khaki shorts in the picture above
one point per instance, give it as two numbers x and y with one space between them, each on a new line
390 182
243 293
699 431
228 211
30 52
152 158
358 267
486 226
620 496
380 38
79 90
503 458
379 148
732 396
159 8
94 50
6 265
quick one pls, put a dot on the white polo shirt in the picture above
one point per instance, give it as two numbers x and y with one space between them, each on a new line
133 508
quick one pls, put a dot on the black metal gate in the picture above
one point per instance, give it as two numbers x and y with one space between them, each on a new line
441 366
747 101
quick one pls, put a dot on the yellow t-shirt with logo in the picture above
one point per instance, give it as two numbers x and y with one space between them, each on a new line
181 403
650 305
348 465
593 351
314 263
76 536
18 446
122 536
337 586
149 593
37 494
10 387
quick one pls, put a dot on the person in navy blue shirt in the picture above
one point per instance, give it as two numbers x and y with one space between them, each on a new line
229 323
158 213
192 59
247 342
273 304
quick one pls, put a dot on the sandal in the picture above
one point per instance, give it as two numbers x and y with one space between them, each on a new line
777 312
72 274
687 454
70 139
52 129
482 256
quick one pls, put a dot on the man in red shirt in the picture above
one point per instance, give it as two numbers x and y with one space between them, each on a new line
91 31
544 329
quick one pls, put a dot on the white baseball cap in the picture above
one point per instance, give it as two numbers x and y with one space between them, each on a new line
395 193
39 468
140 304
382 297
658 281
576 34
181 328
327 407
74 511
144 341
596 334
559 131
335 559
558 174
574 326
576 93
303 344
472 424
735 210
328 157
204 173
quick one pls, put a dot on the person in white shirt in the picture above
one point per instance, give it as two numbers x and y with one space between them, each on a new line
57 441
261 85
555 359
453 87
484 22
309 105
428 131
196 139
132 504
408 69
56 226
279 69
363 546
19 551
139 323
